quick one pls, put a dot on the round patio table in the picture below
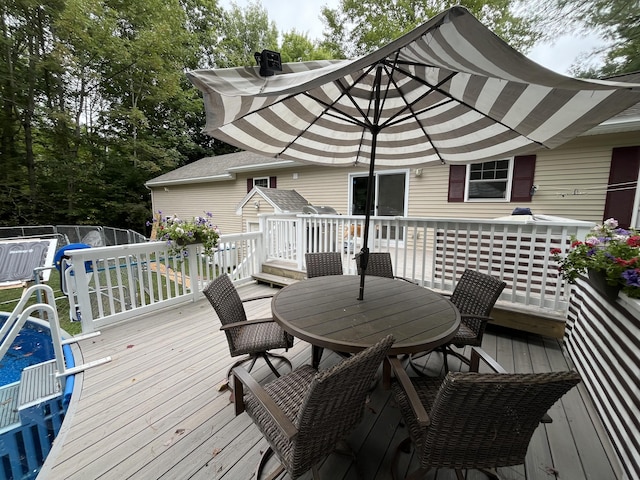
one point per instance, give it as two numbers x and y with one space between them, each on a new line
325 312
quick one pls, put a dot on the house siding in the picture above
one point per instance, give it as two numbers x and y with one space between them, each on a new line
571 183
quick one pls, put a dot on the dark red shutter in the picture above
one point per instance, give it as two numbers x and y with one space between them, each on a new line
249 184
524 169
457 180
621 188
272 182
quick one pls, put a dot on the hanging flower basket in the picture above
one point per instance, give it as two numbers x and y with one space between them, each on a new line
610 255
180 233
598 281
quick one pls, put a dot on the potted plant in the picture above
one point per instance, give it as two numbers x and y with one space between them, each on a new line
609 254
178 233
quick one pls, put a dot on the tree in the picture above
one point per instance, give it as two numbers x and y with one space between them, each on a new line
617 22
244 32
358 27
297 47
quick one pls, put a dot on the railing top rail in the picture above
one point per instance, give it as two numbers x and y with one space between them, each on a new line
529 220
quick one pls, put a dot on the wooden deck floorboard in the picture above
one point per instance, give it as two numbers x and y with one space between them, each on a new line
156 411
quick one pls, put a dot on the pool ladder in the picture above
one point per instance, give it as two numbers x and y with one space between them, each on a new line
19 316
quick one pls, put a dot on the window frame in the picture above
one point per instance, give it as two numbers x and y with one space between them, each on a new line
266 179
467 183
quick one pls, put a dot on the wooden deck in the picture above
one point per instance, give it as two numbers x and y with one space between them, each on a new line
156 411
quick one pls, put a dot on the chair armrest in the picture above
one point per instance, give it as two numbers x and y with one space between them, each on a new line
479 317
245 323
260 297
241 379
405 382
477 354
408 280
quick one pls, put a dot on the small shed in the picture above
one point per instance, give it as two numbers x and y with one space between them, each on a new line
268 200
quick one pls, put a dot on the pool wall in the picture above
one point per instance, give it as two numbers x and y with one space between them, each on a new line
24 446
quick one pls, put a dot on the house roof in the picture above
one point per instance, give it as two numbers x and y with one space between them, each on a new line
225 167
219 168
626 121
283 201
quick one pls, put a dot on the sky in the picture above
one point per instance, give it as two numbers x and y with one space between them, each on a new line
306 19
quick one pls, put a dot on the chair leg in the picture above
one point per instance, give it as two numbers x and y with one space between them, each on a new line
405 447
268 453
444 359
266 356
248 358
492 473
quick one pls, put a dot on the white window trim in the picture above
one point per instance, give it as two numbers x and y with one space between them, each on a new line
490 200
262 178
406 173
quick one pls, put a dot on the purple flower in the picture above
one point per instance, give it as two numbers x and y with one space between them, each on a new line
632 277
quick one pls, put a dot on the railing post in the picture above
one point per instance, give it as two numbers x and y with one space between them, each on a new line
80 278
194 270
301 228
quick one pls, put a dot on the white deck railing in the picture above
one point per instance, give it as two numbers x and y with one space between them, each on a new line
435 251
121 282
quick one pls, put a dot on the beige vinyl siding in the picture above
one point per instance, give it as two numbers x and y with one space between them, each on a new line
320 185
219 198
250 213
580 166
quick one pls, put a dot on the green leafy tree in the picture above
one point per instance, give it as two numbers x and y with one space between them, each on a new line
244 32
616 22
358 27
297 47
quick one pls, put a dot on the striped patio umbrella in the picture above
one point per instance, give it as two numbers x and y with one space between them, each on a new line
450 91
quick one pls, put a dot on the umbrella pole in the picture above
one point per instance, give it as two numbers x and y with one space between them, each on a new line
364 252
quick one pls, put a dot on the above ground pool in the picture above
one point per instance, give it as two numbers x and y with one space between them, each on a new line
32 346
30 426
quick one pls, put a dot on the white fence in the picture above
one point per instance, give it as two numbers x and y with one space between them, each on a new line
435 251
123 281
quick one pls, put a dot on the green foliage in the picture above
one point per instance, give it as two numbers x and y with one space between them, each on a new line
608 249
358 27
179 233
95 102
616 22
297 47
245 32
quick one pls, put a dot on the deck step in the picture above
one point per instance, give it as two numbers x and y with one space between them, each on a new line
273 280
9 405
38 383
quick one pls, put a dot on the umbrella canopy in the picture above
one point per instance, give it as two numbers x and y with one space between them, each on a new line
450 91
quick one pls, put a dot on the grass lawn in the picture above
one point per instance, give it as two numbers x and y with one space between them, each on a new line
10 297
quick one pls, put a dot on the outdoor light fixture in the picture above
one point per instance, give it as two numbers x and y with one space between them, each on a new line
534 189
269 62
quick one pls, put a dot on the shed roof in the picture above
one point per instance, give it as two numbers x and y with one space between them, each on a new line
283 201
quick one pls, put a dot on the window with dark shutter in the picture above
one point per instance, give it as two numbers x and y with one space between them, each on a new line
249 184
272 182
524 169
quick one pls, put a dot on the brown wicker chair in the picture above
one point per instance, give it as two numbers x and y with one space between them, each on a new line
324 263
474 420
253 338
379 265
475 295
304 414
